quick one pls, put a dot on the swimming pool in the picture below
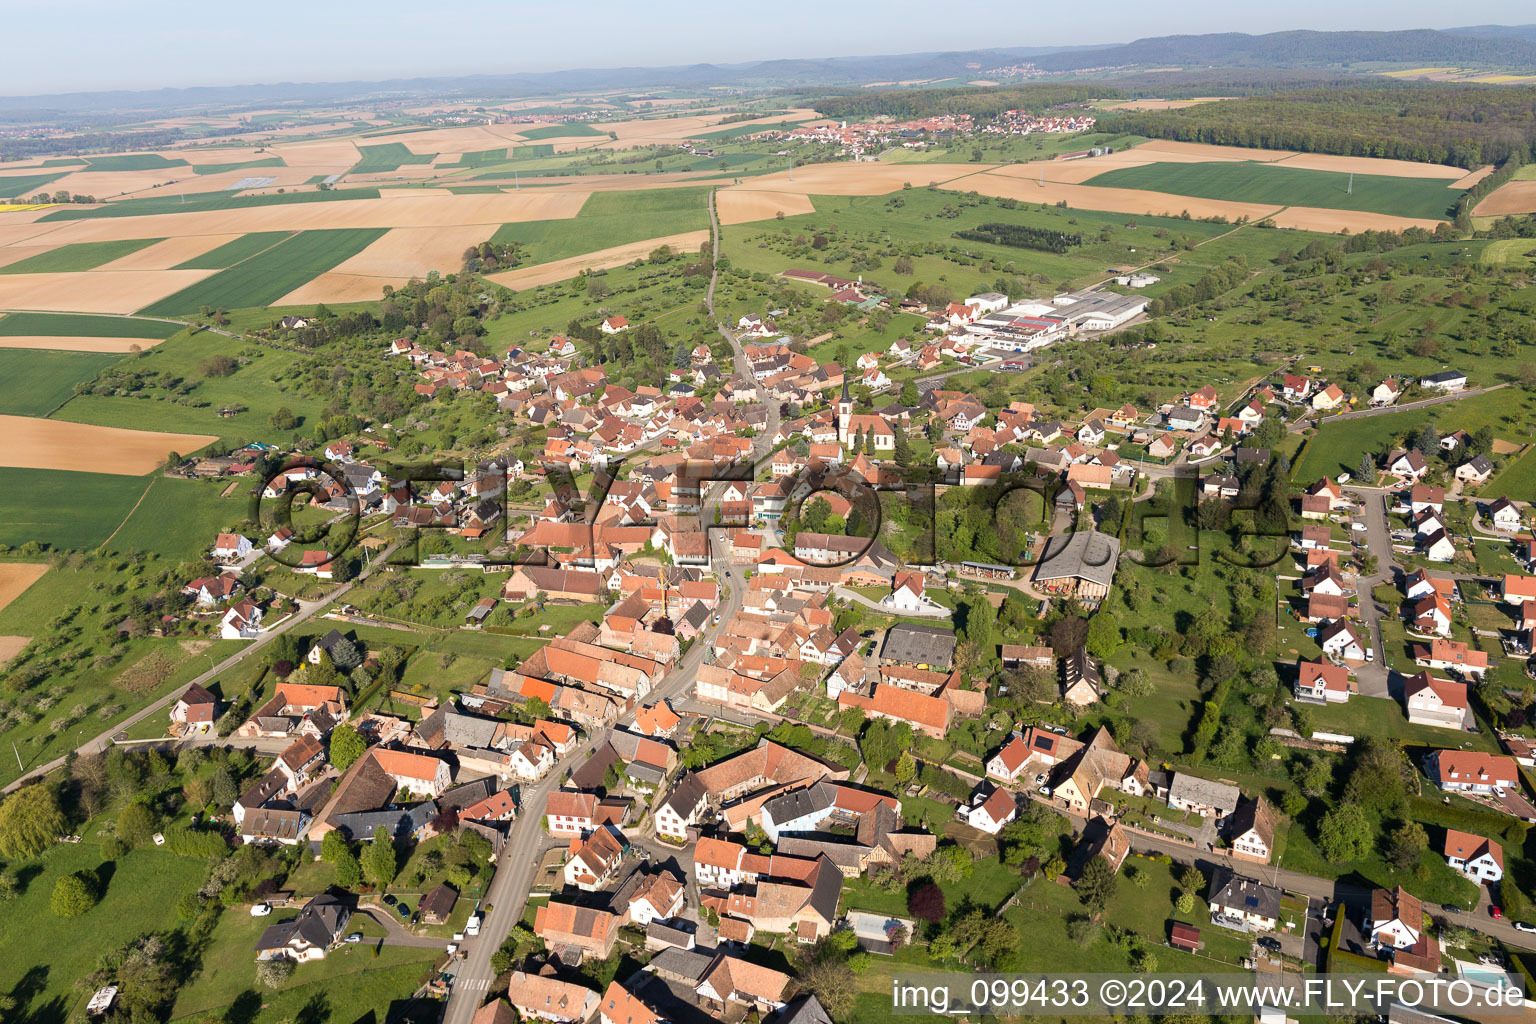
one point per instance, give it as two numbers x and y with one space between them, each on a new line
1482 974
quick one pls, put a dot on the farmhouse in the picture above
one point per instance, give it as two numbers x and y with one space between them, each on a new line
1079 565
1203 796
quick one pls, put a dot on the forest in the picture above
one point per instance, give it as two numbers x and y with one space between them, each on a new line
1463 126
1020 236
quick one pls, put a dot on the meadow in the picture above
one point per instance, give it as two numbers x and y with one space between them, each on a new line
271 273
63 509
1254 182
197 204
608 219
80 256
230 253
179 518
1517 479
34 382
70 325
388 156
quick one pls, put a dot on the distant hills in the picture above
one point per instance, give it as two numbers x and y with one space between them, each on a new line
1505 47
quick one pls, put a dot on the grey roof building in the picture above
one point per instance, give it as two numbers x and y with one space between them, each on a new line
1082 555
918 644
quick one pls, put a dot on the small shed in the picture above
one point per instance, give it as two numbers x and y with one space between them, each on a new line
437 905
1184 936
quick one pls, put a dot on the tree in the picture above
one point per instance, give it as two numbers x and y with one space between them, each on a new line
72 896
349 871
906 767
272 973
1380 779
1344 834
831 979
379 859
135 824
347 745
1405 844
1103 635
1097 885
1366 471
1191 879
283 419
1185 903
926 902
334 847
30 819
1084 931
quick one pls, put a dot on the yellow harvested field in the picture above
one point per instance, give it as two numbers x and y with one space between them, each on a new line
412 252
79 344
16 577
1513 197
32 443
743 207
334 287
112 184
1311 218
1473 178
10 646
1075 172
17 253
1163 104
1205 152
465 139
603 259
167 254
93 291
395 212
1369 165
1114 200
856 179
398 193
19 228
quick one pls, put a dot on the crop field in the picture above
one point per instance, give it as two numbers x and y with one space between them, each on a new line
390 156
80 256
559 131
609 219
198 204
69 325
63 509
479 158
269 275
1287 186
17 186
132 162
271 161
58 444
34 382
236 251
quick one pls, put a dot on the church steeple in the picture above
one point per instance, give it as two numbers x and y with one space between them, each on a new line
844 413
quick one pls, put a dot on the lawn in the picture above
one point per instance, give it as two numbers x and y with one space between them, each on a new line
64 325
1517 479
557 131
349 984
64 509
388 156
213 201
133 162
230 253
608 219
179 518
1254 182
34 382
53 953
266 277
80 256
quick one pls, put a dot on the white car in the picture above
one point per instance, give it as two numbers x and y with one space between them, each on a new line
261 909
1358 527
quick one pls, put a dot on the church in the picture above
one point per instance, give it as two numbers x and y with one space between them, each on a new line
853 429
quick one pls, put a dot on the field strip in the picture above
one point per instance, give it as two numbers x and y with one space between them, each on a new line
745 207
79 344
33 443
603 259
413 252
1312 218
1204 151
168 253
334 287
1370 165
1512 197
1473 178
16 577
102 546
861 179
10 646
1112 200
17 253
93 291
400 212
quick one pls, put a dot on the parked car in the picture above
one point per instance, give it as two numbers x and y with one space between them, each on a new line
355 938
1521 926
1269 942
261 909
1495 912
404 910
389 900
1450 908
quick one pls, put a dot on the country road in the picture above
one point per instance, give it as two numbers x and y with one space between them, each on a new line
307 610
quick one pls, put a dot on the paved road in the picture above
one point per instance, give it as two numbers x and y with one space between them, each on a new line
307 609
1374 676
1422 403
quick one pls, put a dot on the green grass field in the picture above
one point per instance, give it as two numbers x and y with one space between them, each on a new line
230 253
132 162
34 382
609 219
63 509
22 186
80 256
56 952
179 518
560 131
65 325
1252 182
481 158
1517 480
266 277
271 161
1508 252
736 131
212 201
389 156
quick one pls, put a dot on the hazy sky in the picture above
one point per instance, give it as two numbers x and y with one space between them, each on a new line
84 45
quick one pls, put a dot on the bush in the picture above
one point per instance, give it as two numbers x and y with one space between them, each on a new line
72 896
272 973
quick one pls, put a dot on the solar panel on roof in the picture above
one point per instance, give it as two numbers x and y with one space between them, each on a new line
1252 901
